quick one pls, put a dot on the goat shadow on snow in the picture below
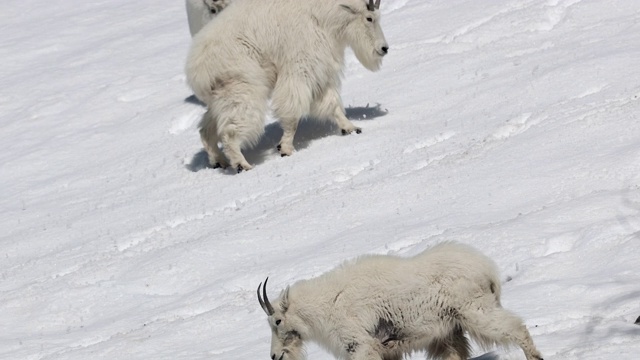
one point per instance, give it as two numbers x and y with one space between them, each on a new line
487 356
192 99
308 130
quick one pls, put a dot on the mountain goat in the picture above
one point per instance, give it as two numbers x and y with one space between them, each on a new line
200 12
289 51
383 307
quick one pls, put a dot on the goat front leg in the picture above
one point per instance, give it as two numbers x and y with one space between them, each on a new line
364 347
345 125
330 107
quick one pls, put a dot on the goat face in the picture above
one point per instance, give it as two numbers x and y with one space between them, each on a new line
364 34
286 341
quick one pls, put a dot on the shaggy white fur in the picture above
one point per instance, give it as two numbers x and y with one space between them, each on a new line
383 307
289 51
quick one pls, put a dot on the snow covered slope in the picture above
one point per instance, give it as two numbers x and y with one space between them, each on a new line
510 125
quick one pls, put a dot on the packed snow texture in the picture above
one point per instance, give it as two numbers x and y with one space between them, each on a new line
510 125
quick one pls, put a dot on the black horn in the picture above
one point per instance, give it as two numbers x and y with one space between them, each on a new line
372 7
265 304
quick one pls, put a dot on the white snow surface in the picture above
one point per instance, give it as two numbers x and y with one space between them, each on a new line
510 125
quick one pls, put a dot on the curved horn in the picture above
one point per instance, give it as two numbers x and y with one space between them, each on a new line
265 304
377 5
371 6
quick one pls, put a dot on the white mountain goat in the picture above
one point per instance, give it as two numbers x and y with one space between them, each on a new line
289 51
383 307
200 12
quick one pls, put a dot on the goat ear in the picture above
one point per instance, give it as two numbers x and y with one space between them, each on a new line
284 300
349 9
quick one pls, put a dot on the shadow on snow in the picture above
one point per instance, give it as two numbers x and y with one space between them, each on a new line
308 130
487 356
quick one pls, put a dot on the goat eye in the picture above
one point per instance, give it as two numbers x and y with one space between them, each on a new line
278 322
369 19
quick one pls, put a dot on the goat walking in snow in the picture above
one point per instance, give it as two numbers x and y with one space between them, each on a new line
289 51
200 12
383 307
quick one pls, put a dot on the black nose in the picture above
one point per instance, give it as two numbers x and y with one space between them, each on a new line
385 49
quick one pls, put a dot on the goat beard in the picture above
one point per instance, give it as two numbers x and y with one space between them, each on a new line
369 59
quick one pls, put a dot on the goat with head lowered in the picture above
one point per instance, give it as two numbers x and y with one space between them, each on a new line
384 307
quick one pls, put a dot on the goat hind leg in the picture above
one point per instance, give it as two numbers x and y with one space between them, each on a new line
240 109
209 138
459 348
232 147
500 326
454 346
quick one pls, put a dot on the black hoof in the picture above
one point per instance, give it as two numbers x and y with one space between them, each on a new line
344 132
240 169
358 131
217 166
279 147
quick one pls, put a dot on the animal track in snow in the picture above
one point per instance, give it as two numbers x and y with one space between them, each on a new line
559 244
512 127
590 91
135 95
429 142
342 175
515 126
556 12
545 46
138 239
398 246
185 122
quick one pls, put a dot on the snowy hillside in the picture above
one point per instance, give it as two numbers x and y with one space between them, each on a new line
510 125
